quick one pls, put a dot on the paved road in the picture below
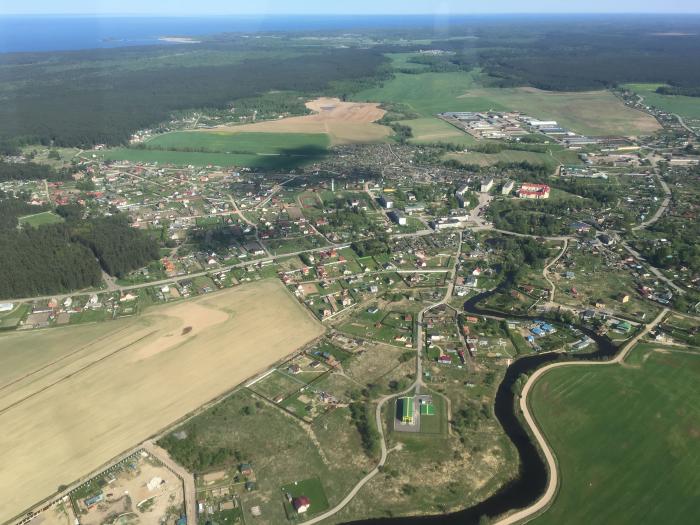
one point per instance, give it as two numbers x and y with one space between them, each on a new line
526 514
653 269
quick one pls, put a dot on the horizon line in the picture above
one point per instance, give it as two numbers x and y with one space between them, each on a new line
494 13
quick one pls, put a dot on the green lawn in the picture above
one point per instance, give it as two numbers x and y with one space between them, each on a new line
627 440
39 219
684 106
312 489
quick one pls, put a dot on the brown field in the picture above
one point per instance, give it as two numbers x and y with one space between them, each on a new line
345 122
73 398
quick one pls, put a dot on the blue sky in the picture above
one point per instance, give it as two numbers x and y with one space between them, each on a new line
248 7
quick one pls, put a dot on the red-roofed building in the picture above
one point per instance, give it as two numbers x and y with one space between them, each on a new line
301 504
533 191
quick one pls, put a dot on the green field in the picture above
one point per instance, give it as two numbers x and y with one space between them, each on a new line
627 439
591 113
551 159
237 143
39 219
312 489
253 150
684 106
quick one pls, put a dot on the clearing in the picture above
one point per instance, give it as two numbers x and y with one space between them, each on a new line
39 219
344 122
76 397
627 439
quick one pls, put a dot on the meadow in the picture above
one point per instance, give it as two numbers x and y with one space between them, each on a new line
76 397
591 113
626 439
553 158
237 143
688 107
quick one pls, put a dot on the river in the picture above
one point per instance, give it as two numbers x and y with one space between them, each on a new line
531 481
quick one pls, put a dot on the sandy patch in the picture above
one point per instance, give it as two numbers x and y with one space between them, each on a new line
345 122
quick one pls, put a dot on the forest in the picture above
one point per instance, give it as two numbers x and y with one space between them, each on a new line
78 105
63 257
29 171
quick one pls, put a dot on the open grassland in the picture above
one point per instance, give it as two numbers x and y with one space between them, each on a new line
186 158
38 219
255 143
627 439
591 113
344 122
688 107
429 130
76 397
550 159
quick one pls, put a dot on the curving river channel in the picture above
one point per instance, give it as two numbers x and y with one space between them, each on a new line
531 481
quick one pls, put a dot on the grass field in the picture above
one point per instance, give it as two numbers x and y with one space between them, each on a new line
592 113
255 143
39 219
489 159
627 439
76 397
684 106
254 150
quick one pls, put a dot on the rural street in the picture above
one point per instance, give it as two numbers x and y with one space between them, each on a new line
545 271
657 215
382 401
524 515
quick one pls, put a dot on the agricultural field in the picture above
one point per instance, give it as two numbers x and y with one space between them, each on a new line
344 122
78 396
591 113
236 143
39 219
688 107
227 148
626 439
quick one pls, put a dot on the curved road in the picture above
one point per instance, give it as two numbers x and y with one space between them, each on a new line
526 514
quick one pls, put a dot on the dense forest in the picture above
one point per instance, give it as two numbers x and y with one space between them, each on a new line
63 257
81 105
40 261
29 171
119 247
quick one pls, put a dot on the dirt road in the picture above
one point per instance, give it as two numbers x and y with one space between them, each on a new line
187 479
526 514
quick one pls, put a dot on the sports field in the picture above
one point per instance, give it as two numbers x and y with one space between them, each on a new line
38 219
344 122
684 106
591 113
73 398
627 439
